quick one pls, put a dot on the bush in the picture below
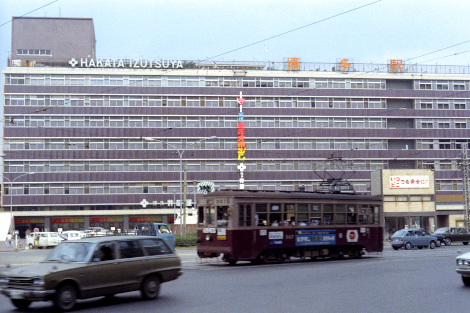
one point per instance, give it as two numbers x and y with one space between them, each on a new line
188 241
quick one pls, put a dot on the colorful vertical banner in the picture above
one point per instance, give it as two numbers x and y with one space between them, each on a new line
241 142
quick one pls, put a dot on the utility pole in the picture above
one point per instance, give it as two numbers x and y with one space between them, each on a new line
185 191
466 187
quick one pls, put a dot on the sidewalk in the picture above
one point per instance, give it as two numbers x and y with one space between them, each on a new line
4 246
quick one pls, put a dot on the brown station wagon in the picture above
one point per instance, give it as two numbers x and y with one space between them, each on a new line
92 267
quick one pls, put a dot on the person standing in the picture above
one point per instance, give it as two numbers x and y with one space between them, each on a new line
8 241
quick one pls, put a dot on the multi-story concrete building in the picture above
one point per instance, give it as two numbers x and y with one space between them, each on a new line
87 140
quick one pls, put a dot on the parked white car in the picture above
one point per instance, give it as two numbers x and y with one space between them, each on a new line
70 235
463 267
42 240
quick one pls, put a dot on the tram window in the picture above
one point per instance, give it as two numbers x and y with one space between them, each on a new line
261 207
315 219
241 215
200 215
352 214
261 217
275 215
210 215
364 215
302 218
328 214
222 216
248 215
340 215
315 208
303 208
376 215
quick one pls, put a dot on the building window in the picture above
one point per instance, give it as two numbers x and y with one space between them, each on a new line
33 52
426 105
442 86
425 86
443 106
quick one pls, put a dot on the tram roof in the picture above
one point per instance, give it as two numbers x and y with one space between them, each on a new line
243 193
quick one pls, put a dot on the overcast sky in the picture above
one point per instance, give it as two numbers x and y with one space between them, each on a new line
264 30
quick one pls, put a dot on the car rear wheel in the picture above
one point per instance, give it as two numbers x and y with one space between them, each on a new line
21 304
395 247
31 246
65 297
465 243
150 288
466 281
432 245
447 241
408 246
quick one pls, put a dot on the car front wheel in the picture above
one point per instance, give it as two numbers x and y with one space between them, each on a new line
447 241
408 246
150 288
432 245
65 297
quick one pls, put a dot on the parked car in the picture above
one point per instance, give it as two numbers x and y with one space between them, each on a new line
156 229
463 267
43 240
453 234
409 238
92 267
440 238
70 235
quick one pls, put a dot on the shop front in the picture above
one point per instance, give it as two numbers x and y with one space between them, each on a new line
68 223
109 223
32 224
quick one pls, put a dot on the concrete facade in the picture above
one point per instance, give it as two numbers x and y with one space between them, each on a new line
79 125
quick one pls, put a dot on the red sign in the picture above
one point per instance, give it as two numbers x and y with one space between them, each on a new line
352 235
241 100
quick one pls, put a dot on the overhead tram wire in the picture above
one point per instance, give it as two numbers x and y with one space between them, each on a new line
30 12
295 29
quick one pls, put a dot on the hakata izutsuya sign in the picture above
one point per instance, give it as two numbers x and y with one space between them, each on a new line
126 63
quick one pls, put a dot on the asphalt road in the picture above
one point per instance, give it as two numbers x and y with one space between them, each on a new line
393 281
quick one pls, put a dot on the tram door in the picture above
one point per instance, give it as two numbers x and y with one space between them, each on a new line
244 240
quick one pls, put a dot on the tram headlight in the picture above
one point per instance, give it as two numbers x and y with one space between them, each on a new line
208 237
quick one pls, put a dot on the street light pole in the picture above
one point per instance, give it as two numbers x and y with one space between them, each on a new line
180 154
12 221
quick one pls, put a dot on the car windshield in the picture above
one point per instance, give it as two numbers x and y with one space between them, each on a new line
70 252
441 230
399 233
